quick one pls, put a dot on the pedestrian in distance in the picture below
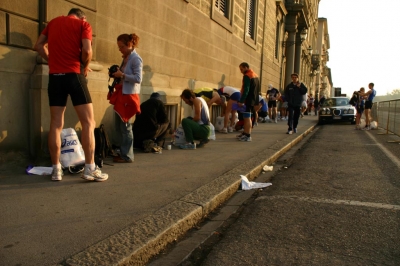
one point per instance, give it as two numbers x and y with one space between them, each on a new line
310 103
316 105
125 97
283 107
360 105
368 105
250 97
294 93
197 126
66 44
273 95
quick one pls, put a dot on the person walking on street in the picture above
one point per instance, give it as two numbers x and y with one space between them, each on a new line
249 97
368 105
66 44
316 105
272 96
360 105
126 98
294 93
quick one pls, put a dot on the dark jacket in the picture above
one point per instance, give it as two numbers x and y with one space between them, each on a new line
294 94
146 124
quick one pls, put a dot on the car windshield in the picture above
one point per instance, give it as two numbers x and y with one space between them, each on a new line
336 102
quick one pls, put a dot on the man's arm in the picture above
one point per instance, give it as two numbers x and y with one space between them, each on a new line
41 47
86 54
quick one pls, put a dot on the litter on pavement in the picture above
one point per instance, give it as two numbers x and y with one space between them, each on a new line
247 185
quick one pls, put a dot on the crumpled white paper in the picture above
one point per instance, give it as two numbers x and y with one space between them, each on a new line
267 168
247 185
40 170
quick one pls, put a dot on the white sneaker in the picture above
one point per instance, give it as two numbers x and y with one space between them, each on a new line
94 175
276 121
239 136
224 130
57 174
230 129
245 138
289 132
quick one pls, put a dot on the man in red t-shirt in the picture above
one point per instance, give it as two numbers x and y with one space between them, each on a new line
66 44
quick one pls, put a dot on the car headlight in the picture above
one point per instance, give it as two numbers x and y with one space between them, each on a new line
323 111
351 111
328 111
345 111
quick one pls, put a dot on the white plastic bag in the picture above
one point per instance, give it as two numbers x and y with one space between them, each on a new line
71 149
362 123
374 125
219 123
247 185
179 136
212 132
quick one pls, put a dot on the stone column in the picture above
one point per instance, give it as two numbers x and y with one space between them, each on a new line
297 58
291 28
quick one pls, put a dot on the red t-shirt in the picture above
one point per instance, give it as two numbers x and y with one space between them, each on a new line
64 36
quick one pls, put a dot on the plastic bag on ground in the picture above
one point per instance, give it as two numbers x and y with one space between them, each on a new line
248 185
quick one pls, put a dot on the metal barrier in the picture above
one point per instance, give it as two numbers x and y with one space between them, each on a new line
387 114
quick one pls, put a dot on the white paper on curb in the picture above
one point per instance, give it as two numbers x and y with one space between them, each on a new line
247 185
267 168
40 170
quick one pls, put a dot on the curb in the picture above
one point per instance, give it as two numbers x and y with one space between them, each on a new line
138 243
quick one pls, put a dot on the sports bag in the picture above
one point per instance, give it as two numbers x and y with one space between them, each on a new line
71 150
103 146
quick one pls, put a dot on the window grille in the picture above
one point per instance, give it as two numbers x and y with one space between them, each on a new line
251 5
172 114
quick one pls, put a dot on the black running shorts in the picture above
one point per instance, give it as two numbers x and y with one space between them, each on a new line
271 104
368 104
62 85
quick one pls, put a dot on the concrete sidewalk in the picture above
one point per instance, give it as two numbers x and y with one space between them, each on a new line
142 207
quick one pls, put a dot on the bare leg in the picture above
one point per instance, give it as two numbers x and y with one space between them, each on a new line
54 138
86 117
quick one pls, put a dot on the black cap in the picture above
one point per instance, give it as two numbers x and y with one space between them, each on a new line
155 95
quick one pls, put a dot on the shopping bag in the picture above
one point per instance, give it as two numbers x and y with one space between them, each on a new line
179 136
71 149
219 123
212 132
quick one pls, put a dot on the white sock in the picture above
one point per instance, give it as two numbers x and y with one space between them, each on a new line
90 166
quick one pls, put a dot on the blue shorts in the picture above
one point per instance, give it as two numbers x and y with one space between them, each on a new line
235 96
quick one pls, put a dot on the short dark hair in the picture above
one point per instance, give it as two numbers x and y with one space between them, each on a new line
244 64
372 84
187 94
77 12
295 74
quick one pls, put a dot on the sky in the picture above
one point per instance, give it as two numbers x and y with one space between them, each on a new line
364 43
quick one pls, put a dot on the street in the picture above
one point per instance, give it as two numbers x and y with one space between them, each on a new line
334 201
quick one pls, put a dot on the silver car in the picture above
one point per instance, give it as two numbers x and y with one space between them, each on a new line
337 109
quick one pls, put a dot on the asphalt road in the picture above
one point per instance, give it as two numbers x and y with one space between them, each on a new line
334 201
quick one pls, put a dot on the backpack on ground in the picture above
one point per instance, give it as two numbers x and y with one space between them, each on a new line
103 146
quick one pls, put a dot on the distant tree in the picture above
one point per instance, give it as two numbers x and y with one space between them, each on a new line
395 92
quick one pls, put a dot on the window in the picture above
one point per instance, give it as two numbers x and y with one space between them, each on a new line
251 23
222 13
277 31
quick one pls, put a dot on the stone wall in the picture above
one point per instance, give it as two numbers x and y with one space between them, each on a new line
181 46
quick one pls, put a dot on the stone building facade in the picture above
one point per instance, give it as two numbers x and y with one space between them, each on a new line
183 43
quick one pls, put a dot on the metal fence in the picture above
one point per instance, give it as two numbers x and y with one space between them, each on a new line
387 114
